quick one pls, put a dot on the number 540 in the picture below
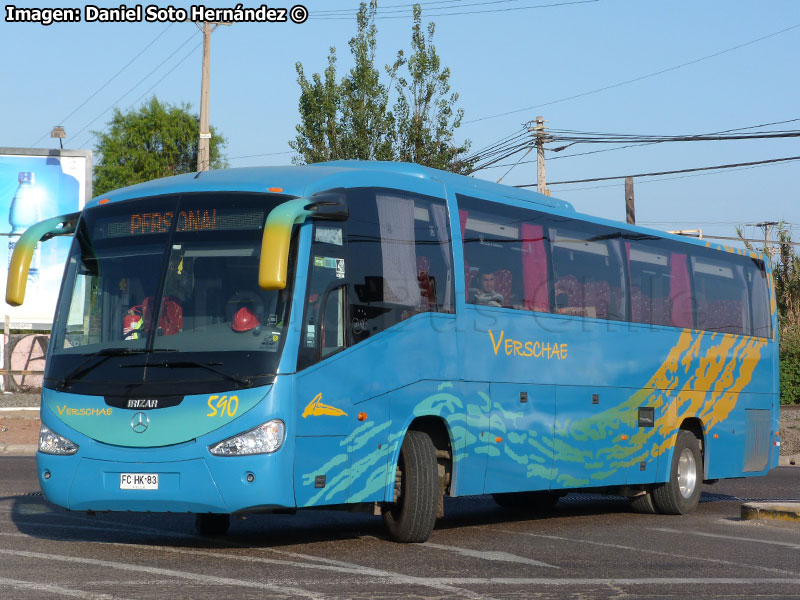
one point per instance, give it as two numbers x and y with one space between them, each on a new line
223 406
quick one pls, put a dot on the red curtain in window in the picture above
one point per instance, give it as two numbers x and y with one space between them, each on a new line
680 292
534 269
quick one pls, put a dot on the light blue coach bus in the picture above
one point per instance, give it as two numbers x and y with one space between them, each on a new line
380 335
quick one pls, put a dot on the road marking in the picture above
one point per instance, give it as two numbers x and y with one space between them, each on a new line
727 537
649 551
327 564
188 551
440 582
490 555
187 575
671 581
55 590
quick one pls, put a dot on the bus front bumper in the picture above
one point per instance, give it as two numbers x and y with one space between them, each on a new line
196 485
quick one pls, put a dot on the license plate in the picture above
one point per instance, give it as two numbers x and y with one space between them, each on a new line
138 481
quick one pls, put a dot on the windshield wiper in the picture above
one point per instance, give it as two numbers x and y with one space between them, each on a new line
189 364
91 363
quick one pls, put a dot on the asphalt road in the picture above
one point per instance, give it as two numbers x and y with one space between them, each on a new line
589 547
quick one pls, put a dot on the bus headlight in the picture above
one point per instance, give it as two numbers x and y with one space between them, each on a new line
52 443
264 439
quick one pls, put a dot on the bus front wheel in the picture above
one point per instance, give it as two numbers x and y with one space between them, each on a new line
411 517
680 495
212 523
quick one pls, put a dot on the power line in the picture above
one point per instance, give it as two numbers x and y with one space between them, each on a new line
258 155
646 181
651 143
178 64
490 164
494 149
354 11
102 87
730 166
578 137
451 14
634 80
143 79
695 222
738 239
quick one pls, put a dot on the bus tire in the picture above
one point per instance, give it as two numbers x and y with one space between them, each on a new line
528 501
212 523
680 495
411 517
643 503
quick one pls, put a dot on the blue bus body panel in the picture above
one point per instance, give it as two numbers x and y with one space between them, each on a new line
191 478
616 369
529 401
195 416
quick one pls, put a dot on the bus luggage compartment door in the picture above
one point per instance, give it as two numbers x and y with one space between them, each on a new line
520 445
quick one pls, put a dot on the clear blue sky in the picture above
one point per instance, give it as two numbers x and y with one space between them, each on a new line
504 58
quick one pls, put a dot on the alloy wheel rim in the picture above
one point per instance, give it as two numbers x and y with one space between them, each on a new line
687 473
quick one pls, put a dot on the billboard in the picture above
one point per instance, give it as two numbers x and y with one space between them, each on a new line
37 184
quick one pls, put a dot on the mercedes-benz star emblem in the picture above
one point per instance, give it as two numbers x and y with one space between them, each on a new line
140 422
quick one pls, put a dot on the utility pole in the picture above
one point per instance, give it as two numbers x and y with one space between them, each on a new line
766 226
541 179
630 211
204 143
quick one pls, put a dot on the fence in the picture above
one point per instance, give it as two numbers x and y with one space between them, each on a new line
23 361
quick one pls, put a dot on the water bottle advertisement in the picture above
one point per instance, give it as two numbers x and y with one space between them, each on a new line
37 185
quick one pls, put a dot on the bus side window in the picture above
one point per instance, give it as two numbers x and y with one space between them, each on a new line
392 259
587 271
720 295
660 287
761 322
505 255
400 261
332 322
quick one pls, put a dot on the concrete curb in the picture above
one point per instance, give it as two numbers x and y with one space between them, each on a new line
18 449
780 511
792 460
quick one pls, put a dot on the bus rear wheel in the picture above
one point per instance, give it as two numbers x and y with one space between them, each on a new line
643 503
212 523
680 495
412 515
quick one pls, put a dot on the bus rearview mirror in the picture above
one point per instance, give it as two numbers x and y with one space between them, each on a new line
329 206
23 253
274 263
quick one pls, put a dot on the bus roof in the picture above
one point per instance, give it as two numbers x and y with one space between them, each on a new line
305 180
302 180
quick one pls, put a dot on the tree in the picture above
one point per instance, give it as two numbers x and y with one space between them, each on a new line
424 108
786 275
351 118
157 140
346 119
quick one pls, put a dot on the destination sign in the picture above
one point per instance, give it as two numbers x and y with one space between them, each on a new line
160 222
190 220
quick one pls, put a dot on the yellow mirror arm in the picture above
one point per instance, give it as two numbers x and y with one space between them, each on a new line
23 253
275 241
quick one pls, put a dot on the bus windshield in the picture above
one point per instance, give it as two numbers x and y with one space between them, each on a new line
168 287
